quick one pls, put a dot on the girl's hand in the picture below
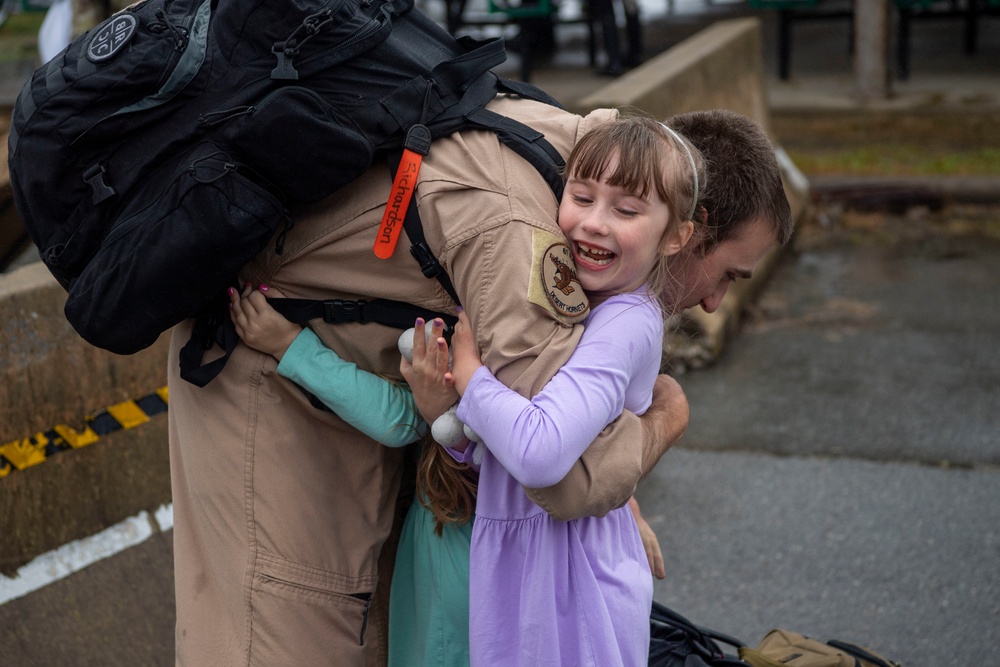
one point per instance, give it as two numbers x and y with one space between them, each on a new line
649 542
258 324
465 352
427 374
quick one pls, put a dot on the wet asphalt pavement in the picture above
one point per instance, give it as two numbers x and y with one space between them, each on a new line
839 476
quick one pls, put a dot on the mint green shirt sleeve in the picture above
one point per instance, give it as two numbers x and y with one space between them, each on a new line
382 410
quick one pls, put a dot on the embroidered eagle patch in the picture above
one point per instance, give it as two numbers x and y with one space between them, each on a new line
554 285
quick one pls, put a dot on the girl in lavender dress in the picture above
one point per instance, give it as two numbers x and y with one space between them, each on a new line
548 592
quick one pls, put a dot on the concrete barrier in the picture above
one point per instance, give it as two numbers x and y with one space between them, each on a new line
49 378
721 66
52 377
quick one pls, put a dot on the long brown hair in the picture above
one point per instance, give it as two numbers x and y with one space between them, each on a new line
444 486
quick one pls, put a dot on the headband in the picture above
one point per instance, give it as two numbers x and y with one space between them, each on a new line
694 167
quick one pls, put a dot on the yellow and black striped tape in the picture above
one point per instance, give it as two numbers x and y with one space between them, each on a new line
30 451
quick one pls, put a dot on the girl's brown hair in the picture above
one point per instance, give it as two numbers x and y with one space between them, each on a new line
444 486
651 159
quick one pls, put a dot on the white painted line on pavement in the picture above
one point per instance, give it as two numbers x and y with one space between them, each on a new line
74 556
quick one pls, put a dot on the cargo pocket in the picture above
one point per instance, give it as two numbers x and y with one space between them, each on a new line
300 617
329 151
173 249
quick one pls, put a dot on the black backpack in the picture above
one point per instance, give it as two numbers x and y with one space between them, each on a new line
674 641
162 150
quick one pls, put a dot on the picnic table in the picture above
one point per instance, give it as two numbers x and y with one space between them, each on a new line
534 19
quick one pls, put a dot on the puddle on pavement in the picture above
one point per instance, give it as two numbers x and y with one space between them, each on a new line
849 272
852 269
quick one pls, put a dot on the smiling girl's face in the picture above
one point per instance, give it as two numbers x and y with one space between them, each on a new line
616 237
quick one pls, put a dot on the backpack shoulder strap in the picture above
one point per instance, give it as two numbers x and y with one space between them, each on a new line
527 142
429 264
527 91
524 140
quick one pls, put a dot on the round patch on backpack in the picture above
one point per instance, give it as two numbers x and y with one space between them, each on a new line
111 38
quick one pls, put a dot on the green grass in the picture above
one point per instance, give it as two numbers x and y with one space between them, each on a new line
942 143
22 23
898 160
19 36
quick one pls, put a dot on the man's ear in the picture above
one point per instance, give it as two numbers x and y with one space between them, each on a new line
673 243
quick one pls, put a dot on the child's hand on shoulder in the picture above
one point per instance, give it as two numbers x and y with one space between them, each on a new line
465 354
427 373
258 324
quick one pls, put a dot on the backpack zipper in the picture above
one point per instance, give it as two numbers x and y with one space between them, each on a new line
287 50
227 167
180 34
285 69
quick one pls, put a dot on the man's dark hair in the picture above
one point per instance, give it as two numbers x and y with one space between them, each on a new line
744 181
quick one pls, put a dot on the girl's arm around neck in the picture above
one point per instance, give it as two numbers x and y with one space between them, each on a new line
537 441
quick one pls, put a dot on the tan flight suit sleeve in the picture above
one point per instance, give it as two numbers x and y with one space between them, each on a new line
506 269
510 329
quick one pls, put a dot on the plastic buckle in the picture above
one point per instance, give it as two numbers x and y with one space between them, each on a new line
338 311
429 265
94 176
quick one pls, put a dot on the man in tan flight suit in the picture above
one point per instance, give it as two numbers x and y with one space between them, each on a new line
283 513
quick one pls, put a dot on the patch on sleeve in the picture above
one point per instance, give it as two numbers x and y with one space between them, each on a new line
554 285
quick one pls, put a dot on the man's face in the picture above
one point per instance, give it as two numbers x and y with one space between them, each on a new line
704 280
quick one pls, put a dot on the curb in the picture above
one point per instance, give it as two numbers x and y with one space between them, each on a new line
700 338
892 193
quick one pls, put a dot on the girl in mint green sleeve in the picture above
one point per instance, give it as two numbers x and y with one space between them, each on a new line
429 597
382 410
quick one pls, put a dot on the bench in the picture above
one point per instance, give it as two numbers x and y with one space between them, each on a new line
968 11
790 11
908 11
531 17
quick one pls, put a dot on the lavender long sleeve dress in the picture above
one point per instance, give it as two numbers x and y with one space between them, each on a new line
547 592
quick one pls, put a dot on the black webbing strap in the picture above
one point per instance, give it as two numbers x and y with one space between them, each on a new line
215 328
526 90
210 328
859 653
522 139
390 313
526 142
429 265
